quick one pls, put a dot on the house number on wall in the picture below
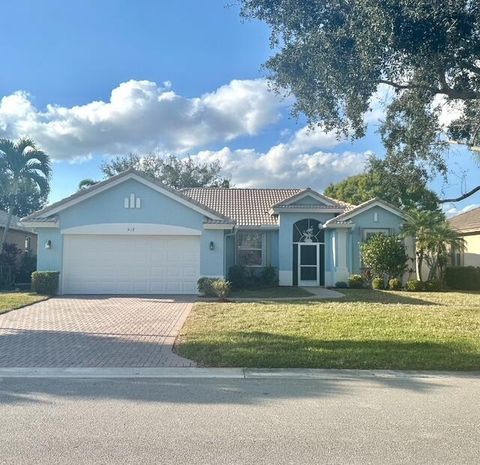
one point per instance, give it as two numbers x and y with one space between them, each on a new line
132 202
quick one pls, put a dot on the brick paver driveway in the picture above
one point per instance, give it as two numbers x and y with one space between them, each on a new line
97 331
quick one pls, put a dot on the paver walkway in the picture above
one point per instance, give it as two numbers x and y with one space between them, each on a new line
94 331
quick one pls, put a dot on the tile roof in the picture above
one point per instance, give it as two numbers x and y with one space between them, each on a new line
467 222
248 207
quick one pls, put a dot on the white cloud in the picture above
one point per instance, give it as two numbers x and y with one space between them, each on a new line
453 210
288 164
142 116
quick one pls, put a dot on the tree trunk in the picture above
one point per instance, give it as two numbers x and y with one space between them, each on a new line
418 265
5 231
10 213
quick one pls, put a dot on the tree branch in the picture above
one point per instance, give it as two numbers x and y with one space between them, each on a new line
444 89
398 86
462 197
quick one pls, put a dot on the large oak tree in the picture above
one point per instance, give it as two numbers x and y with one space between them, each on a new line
333 55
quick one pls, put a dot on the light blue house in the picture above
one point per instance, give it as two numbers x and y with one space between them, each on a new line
133 235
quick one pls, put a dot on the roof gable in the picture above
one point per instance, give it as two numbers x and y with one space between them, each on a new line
115 181
307 197
365 206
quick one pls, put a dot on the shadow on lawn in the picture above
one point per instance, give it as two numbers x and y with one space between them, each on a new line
266 350
354 296
381 297
57 349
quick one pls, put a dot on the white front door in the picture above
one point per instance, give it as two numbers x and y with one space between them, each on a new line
308 264
119 264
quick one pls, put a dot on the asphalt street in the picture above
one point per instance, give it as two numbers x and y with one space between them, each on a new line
240 421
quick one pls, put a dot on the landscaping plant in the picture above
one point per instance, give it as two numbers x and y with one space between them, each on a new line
204 286
464 278
434 240
356 281
221 288
395 284
414 285
385 256
45 282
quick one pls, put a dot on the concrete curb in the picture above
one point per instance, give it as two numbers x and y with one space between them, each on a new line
229 373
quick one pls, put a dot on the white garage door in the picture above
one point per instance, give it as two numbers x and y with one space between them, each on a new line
130 264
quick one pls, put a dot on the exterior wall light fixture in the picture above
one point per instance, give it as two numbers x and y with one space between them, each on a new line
48 244
211 245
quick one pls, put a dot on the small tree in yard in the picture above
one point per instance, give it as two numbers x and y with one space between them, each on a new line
385 256
434 238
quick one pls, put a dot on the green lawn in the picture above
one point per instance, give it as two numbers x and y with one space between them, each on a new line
367 329
12 300
271 292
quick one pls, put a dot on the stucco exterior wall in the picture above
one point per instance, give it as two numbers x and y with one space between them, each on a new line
17 237
365 220
471 256
108 207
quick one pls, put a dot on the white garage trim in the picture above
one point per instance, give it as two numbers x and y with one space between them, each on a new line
123 264
139 229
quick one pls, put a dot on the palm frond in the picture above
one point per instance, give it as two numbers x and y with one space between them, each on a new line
40 163
39 180
24 145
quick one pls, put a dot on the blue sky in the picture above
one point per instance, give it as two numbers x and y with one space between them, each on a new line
92 79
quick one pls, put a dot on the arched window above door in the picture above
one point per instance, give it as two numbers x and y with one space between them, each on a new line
308 230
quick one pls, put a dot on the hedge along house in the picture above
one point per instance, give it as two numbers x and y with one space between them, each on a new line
133 235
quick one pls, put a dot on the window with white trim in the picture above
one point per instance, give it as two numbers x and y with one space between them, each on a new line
251 248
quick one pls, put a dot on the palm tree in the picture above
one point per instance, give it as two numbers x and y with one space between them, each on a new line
86 183
21 162
433 238
443 239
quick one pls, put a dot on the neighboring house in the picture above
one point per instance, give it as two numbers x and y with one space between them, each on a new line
468 226
24 238
133 235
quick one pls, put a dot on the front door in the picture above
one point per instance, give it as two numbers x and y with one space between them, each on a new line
308 264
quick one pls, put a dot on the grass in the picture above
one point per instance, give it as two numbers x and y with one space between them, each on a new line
271 292
367 330
13 300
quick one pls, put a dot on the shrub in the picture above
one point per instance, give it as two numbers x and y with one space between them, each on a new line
356 281
341 284
45 282
395 284
28 264
463 278
378 283
221 288
384 255
7 277
204 286
238 277
8 266
268 276
414 285
434 285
